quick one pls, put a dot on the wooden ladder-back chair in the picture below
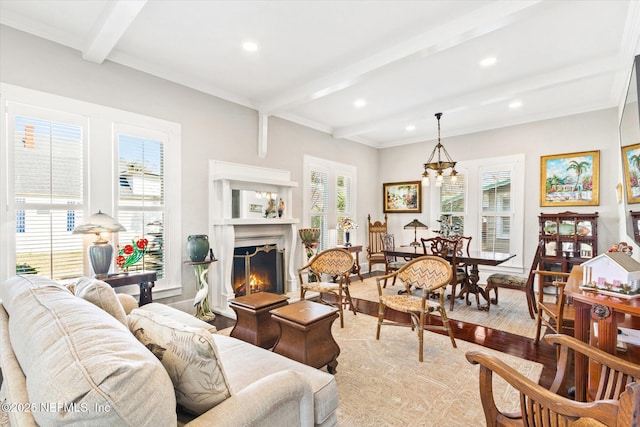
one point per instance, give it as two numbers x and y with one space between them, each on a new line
553 314
375 248
449 249
430 274
500 280
336 262
616 402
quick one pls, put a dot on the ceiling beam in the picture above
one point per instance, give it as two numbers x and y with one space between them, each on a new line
115 19
499 93
485 20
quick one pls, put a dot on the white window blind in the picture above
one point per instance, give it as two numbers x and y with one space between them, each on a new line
319 195
330 190
343 202
496 210
47 159
452 201
141 197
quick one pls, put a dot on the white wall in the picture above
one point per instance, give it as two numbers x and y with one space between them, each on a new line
217 129
212 128
584 132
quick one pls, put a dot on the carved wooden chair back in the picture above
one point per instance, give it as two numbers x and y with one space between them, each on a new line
449 249
375 247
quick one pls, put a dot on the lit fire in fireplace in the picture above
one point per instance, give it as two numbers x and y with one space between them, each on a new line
256 284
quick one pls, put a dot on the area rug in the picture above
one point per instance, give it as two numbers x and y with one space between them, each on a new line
510 315
382 383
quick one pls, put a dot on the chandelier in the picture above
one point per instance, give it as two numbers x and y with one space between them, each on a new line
437 163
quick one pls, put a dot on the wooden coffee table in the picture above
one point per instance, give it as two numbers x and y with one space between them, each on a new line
254 323
305 334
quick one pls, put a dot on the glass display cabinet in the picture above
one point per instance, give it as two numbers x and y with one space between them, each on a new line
570 239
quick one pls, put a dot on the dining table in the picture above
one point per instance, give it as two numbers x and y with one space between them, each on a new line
606 312
474 259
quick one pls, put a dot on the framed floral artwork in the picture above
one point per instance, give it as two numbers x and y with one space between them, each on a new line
571 179
631 163
402 197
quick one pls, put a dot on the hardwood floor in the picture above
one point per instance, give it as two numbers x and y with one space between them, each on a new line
505 342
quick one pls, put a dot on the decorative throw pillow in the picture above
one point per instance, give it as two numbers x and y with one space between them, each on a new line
101 294
189 355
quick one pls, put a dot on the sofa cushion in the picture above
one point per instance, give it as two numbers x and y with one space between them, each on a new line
179 316
101 294
245 363
188 354
75 355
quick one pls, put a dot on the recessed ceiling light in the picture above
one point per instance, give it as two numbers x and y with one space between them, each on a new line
359 103
515 104
250 46
488 61
410 128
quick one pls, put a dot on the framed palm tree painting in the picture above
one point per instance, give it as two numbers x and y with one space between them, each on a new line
631 162
570 179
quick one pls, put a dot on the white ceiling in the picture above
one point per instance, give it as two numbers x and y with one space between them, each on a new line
408 59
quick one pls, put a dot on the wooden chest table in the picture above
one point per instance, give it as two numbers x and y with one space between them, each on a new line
305 334
254 323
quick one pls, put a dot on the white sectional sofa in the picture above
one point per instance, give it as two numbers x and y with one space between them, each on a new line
75 356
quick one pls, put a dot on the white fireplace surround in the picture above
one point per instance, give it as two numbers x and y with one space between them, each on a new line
246 229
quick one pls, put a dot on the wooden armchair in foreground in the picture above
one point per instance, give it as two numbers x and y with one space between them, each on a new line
616 401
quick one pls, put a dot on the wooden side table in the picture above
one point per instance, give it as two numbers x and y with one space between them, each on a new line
305 334
254 323
145 279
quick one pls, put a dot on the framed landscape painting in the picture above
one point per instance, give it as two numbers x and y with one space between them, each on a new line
570 179
631 162
402 197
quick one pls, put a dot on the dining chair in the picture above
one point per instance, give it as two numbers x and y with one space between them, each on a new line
375 247
450 249
391 262
335 262
616 401
525 284
556 314
430 274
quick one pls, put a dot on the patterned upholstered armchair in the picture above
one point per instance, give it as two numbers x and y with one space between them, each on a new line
426 275
336 262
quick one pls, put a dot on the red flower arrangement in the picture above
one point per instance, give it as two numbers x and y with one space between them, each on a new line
132 253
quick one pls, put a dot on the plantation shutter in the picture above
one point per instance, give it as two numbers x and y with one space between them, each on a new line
452 201
48 176
343 202
320 205
497 213
141 197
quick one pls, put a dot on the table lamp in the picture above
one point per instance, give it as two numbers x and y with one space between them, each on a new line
100 252
415 224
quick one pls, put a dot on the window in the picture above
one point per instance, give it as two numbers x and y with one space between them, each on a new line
487 203
141 201
452 202
496 210
51 146
48 189
329 189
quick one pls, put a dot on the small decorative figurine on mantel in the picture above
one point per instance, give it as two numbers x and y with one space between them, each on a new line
280 208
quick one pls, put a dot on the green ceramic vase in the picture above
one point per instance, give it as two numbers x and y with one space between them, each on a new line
197 247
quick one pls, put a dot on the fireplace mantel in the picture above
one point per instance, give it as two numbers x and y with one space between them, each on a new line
230 229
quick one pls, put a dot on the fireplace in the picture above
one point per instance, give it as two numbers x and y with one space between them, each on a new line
258 269
239 222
